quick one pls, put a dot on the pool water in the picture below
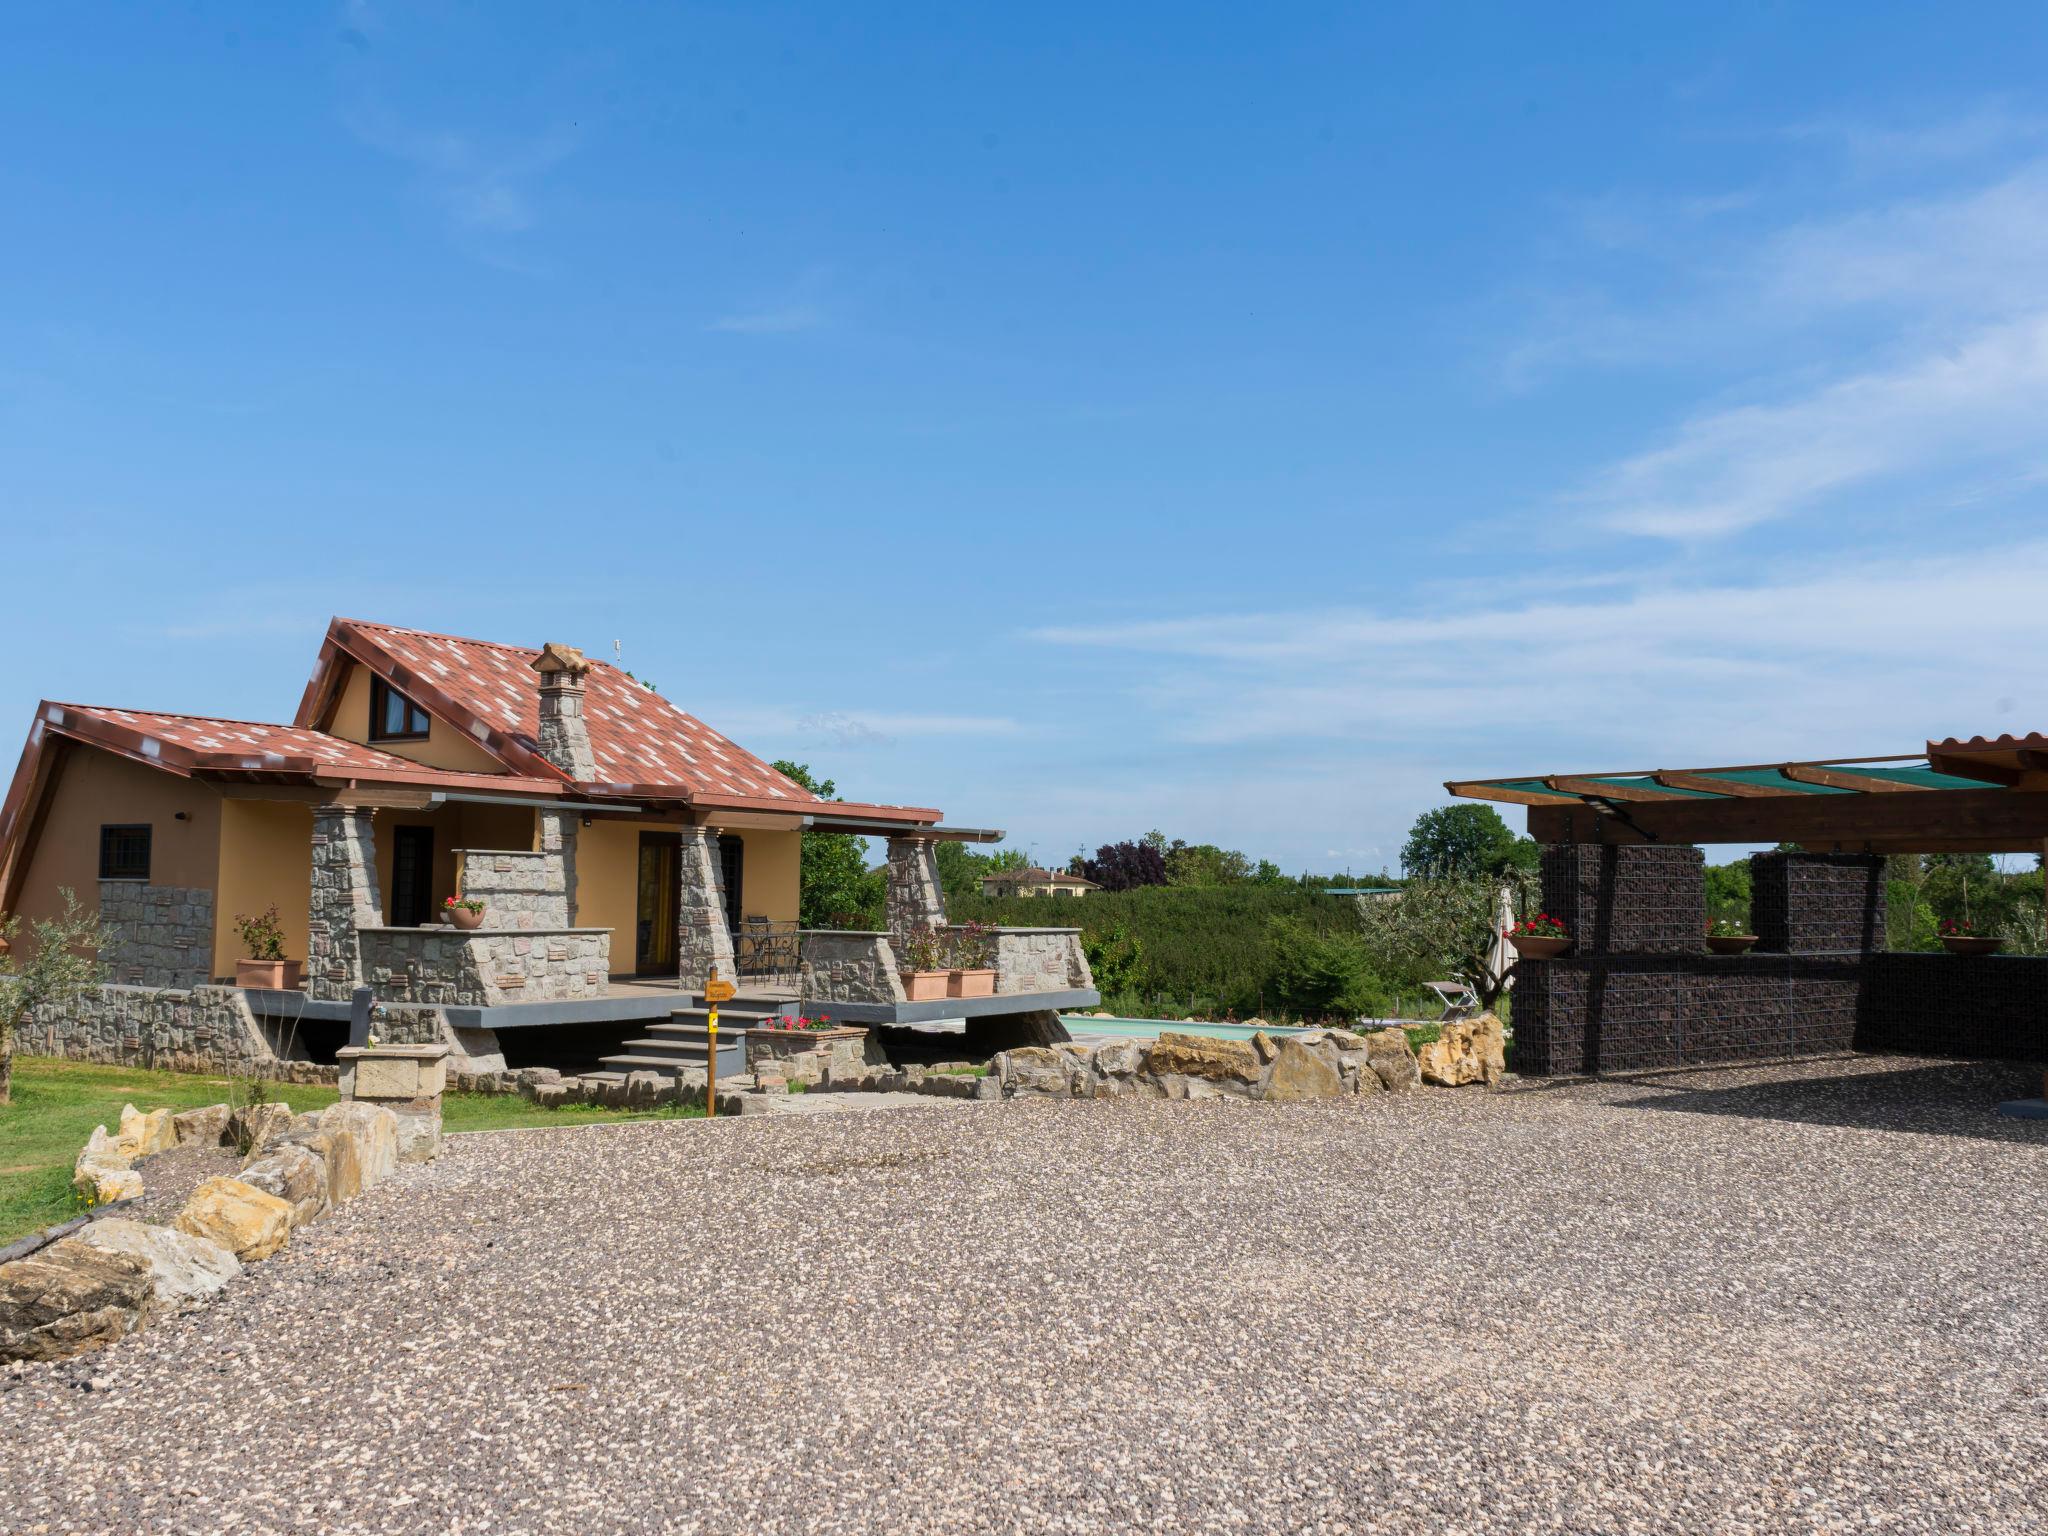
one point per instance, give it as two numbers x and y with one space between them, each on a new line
1079 1024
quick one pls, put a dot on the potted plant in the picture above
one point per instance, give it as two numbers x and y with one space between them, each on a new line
266 967
1962 938
1726 936
972 969
1541 937
465 912
924 964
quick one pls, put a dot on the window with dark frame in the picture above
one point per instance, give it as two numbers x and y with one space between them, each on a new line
124 852
394 717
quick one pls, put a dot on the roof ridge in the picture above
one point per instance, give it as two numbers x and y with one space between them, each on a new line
435 634
179 714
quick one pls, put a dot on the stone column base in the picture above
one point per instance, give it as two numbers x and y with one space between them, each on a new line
405 1079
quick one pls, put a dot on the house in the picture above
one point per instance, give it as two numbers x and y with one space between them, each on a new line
1035 882
608 834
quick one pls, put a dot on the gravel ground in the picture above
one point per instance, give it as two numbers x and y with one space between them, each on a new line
1807 1298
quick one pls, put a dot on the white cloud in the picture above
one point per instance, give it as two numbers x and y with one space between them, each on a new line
1854 658
1728 470
479 191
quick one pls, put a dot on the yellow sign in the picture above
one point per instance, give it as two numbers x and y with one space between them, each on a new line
716 991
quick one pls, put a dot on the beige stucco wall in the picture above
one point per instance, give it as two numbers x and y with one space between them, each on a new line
266 857
771 881
93 789
445 746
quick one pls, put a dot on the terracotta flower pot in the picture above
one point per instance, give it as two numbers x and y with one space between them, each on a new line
1731 943
924 986
269 975
1529 947
465 919
1970 944
971 983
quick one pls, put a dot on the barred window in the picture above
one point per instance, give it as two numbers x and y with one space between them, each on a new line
124 853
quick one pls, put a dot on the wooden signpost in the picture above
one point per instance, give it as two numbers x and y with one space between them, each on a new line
716 991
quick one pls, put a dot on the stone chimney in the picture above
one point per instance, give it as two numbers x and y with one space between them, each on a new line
564 737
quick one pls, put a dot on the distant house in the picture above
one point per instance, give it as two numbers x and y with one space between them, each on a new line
1035 882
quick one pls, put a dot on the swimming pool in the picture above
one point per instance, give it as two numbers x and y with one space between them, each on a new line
1079 1024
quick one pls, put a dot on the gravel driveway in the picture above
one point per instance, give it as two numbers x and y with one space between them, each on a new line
1795 1299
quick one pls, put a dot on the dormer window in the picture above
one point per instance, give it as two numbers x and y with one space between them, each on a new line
394 717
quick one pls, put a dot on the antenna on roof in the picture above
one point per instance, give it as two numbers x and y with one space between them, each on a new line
618 656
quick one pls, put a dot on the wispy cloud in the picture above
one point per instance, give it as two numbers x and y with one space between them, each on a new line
480 190
858 728
1856 657
798 308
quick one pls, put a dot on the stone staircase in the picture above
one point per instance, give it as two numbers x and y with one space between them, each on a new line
683 1043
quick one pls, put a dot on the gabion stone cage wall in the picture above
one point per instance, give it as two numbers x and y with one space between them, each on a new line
1817 903
1638 991
1646 900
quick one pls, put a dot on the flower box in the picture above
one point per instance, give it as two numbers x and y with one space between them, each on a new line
1530 947
270 975
971 983
1731 943
924 986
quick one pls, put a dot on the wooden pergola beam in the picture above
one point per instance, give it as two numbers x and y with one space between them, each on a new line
1742 789
1569 785
1863 784
1926 820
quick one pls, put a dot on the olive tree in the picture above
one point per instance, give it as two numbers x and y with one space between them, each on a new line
63 962
1439 929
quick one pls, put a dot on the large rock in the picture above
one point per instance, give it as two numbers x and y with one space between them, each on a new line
143 1135
183 1270
1303 1072
101 1174
255 1126
1034 1071
1120 1058
336 1151
70 1297
1199 1056
1392 1061
248 1222
295 1174
208 1126
374 1130
1466 1051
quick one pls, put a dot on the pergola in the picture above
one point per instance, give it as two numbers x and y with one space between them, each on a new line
1983 795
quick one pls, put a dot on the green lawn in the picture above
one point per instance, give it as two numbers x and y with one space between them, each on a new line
57 1103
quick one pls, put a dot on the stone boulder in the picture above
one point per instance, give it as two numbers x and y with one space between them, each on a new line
68 1298
1200 1057
295 1174
101 1173
248 1222
183 1270
1302 1071
1034 1071
335 1151
143 1135
1467 1051
208 1126
1122 1057
255 1126
374 1130
1388 1053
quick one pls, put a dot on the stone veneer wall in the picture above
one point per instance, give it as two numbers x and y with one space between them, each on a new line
1623 1013
849 966
176 1029
344 899
703 942
486 967
1627 900
163 933
912 895
519 888
1817 903
1041 960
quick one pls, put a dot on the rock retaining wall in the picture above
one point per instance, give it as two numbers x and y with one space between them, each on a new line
162 934
174 1029
483 967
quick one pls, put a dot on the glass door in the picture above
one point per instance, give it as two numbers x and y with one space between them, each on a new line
654 932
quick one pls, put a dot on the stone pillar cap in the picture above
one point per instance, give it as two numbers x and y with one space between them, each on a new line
555 658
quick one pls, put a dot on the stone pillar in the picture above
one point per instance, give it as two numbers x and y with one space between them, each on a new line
1817 903
1628 899
564 734
558 831
405 1079
914 898
703 939
344 899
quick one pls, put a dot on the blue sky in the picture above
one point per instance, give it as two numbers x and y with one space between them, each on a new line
1226 419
